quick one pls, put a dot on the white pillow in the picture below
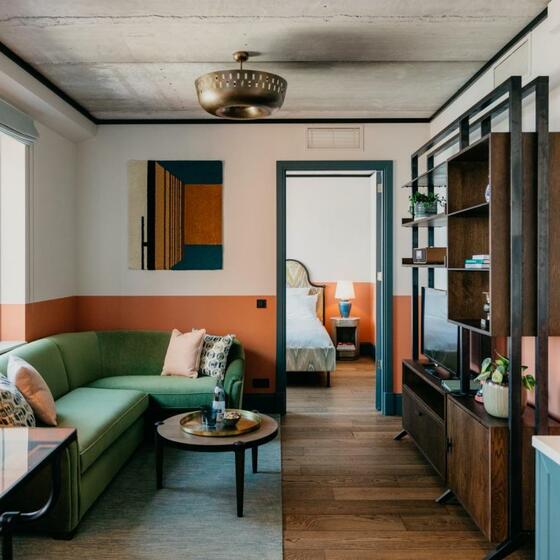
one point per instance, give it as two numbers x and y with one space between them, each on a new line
301 307
297 292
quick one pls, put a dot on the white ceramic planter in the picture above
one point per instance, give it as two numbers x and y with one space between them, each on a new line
496 398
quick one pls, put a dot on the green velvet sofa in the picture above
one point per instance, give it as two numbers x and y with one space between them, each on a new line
103 384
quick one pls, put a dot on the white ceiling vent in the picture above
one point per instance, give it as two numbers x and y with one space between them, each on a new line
334 138
517 63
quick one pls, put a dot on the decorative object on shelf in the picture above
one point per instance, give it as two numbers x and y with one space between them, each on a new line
485 321
241 94
481 262
344 292
175 215
424 204
495 375
429 255
488 193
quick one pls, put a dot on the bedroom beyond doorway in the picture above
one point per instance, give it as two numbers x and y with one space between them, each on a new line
330 301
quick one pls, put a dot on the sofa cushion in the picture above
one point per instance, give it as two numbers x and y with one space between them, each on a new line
132 352
214 356
45 357
80 354
100 417
183 353
33 388
166 391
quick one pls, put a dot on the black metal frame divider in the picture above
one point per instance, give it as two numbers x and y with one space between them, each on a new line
508 96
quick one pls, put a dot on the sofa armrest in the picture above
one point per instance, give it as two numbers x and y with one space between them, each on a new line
233 382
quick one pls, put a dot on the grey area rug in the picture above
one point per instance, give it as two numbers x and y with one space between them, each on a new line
192 517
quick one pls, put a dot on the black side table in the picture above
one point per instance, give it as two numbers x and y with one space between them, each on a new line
24 452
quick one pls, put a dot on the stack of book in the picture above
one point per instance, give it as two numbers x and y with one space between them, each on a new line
478 261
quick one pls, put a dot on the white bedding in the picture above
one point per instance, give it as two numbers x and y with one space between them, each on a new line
306 333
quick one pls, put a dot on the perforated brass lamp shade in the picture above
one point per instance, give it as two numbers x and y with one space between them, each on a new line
241 94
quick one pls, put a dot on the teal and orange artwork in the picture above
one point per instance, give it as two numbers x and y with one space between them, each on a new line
175 215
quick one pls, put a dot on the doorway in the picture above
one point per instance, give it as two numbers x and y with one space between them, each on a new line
380 173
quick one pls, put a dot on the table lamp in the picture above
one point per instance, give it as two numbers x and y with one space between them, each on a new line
344 292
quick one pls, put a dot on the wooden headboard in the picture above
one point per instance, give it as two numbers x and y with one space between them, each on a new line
297 276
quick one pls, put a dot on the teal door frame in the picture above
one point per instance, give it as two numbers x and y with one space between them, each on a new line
385 399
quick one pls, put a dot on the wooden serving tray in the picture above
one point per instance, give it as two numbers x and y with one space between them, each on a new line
192 423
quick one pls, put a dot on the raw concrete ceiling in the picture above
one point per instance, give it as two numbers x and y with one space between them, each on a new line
347 58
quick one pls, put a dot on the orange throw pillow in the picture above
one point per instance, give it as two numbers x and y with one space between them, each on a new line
183 353
33 388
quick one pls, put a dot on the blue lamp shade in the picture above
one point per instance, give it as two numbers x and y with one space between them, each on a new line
344 293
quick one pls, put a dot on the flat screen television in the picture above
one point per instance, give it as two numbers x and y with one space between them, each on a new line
440 338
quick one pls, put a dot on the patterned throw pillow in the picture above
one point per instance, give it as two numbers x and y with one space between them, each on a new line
215 350
14 409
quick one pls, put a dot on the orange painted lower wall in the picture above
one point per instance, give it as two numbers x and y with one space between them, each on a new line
221 314
402 337
29 321
363 306
256 328
12 321
43 318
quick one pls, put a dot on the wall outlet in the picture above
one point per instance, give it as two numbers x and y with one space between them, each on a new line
261 304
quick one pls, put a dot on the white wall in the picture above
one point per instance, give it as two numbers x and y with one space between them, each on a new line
13 221
544 49
329 226
249 153
52 207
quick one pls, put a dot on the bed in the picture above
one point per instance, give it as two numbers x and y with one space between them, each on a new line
308 344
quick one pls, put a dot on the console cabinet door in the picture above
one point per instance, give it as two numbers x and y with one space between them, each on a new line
468 464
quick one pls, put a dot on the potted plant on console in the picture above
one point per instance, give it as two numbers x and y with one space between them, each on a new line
423 205
494 374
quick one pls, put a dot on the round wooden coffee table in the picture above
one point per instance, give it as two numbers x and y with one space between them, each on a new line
169 433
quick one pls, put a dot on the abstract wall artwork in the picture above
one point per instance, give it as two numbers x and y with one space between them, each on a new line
175 215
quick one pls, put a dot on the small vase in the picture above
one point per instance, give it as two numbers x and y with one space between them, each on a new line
421 210
496 399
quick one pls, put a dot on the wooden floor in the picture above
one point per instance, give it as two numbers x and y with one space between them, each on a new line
352 493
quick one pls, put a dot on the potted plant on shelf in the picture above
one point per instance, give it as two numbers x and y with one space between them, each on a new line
494 374
423 205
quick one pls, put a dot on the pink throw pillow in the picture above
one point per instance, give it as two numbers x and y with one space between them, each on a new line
183 353
34 389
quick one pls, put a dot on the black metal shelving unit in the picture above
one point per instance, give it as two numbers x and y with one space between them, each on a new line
507 97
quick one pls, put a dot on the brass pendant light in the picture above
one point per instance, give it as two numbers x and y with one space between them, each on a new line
241 94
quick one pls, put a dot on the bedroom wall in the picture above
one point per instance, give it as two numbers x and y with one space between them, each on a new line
544 46
111 296
330 227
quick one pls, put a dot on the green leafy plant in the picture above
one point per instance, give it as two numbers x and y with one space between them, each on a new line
497 371
428 200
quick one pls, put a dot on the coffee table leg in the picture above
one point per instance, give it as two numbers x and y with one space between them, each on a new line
239 475
255 451
159 457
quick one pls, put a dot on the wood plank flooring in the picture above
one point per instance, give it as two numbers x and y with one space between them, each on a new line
352 493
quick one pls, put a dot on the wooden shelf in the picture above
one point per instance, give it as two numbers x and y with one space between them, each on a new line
438 178
481 209
471 325
476 227
463 269
437 220
406 265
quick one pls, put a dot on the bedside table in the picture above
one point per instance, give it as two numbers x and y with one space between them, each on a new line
346 337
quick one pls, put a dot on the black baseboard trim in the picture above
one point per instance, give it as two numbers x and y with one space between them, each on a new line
263 402
367 349
392 404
